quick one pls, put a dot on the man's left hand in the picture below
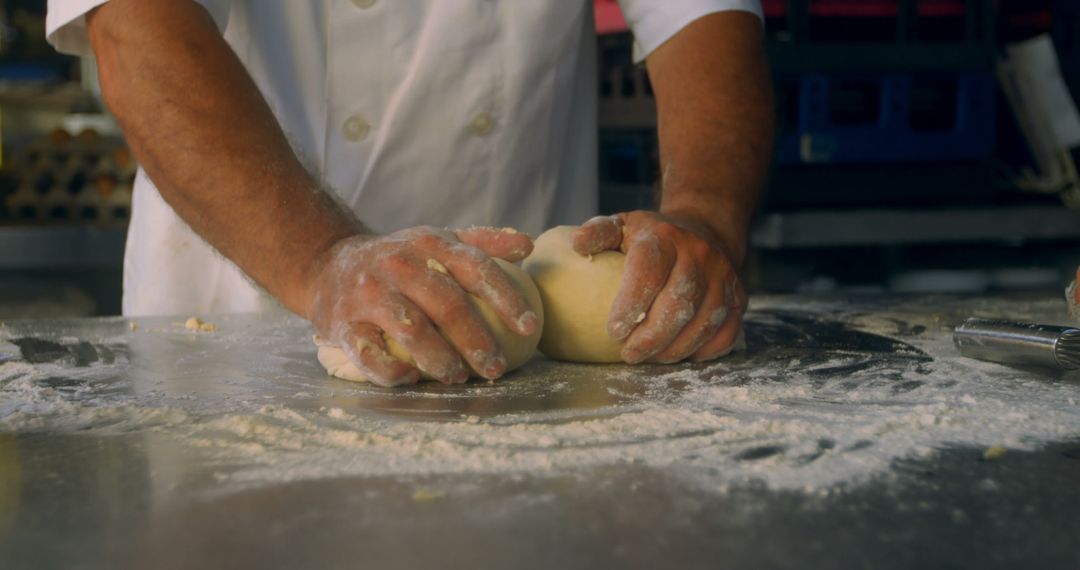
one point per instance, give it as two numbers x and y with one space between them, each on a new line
681 297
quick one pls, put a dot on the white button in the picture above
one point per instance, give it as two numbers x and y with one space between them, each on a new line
364 3
356 128
481 124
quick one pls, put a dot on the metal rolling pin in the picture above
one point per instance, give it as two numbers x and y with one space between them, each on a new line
1019 343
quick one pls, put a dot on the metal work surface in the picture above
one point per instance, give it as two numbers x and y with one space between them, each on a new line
849 434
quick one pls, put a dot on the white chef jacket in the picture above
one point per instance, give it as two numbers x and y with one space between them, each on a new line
413 112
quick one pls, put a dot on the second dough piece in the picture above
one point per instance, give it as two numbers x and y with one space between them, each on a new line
577 293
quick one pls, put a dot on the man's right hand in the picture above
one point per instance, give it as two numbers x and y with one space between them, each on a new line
409 286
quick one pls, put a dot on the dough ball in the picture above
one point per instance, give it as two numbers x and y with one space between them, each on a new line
516 348
577 293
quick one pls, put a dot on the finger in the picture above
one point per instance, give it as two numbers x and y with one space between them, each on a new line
363 344
405 323
730 334
602 233
478 274
648 263
675 306
445 303
725 341
504 243
704 326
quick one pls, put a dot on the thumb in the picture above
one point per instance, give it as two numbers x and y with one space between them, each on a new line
504 243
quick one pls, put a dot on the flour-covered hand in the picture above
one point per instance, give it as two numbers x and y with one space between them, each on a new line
680 298
408 286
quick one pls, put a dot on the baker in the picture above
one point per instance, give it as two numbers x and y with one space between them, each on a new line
307 153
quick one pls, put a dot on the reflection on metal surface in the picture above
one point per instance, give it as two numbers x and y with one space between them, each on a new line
1019 343
545 391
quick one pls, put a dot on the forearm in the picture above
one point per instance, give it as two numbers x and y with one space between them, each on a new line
199 126
716 123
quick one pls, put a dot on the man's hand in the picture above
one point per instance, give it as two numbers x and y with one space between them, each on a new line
680 296
406 284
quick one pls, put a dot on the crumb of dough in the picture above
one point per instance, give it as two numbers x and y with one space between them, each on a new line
472 420
509 231
427 495
194 324
436 266
132 326
993 452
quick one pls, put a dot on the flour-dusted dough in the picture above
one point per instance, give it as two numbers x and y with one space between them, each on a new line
577 293
516 348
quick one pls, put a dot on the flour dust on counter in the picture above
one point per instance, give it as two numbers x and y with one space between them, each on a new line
827 395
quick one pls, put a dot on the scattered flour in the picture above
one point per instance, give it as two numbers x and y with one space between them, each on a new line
790 419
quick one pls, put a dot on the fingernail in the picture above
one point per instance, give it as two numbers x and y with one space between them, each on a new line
620 330
528 322
632 356
495 368
409 378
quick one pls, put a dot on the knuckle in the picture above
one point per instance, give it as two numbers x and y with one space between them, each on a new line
368 288
667 230
700 249
428 241
396 263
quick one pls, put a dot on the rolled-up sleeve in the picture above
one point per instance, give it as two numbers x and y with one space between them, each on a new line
656 21
65 22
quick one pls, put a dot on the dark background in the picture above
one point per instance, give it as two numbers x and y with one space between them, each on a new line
894 170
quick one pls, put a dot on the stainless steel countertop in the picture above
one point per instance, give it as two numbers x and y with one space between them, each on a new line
164 448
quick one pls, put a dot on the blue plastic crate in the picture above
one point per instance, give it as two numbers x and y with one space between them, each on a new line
887 123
